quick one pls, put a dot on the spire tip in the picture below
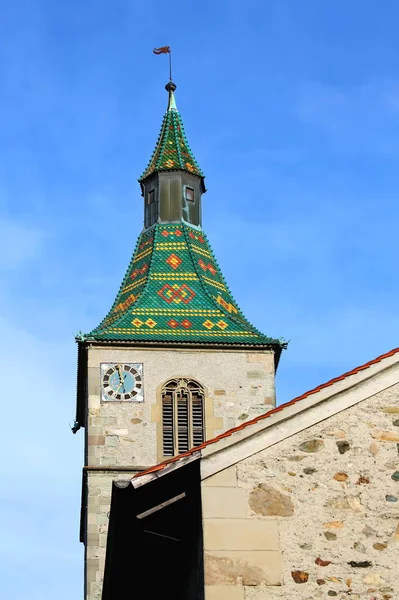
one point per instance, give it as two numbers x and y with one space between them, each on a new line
170 88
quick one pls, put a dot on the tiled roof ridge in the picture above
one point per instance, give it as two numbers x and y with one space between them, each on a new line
145 286
152 163
183 133
271 412
243 320
124 281
177 141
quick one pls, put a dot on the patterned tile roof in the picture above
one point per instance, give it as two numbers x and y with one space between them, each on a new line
174 291
172 150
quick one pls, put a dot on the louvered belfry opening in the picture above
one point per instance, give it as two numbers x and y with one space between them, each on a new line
182 416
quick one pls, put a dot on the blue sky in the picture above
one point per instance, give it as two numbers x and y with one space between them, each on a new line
292 111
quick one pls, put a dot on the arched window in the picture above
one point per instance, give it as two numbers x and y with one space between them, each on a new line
182 416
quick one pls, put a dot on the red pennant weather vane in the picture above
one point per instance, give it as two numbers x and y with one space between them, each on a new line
165 50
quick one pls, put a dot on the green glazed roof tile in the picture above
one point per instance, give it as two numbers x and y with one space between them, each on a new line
172 150
174 291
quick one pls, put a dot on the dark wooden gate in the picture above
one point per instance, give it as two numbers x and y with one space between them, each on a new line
155 546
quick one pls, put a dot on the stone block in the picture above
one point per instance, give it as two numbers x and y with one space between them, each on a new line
101 519
92 567
109 462
114 431
93 539
97 430
105 501
235 568
270 401
93 380
314 445
156 413
95 590
209 407
93 503
386 436
224 592
214 423
111 440
109 420
255 374
92 517
226 478
96 480
224 503
94 401
96 440
265 361
267 501
240 534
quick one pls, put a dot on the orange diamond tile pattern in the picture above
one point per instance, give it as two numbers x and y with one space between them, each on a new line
173 291
174 261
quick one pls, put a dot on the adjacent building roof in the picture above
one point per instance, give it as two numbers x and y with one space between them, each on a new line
381 362
174 291
172 151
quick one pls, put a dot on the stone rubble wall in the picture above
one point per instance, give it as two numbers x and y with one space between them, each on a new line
324 504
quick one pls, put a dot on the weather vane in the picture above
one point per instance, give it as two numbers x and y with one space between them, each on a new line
165 50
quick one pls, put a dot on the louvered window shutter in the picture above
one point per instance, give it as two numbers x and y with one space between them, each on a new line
167 424
182 421
197 418
183 425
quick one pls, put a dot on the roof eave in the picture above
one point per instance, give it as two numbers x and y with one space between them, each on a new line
317 397
275 345
81 387
145 176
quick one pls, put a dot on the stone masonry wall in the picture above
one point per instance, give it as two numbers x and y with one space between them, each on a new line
329 494
98 507
238 386
240 550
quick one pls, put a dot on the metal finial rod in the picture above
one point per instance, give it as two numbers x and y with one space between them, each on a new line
165 50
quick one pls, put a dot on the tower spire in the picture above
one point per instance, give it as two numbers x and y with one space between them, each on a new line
174 291
172 151
170 87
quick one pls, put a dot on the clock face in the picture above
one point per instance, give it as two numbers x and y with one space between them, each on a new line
121 382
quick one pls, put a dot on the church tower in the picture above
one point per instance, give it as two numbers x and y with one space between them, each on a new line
175 362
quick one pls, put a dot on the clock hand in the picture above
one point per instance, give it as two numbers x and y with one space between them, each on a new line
121 378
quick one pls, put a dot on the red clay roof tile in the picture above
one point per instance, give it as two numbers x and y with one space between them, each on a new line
229 432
